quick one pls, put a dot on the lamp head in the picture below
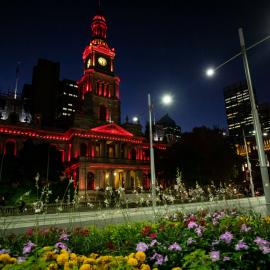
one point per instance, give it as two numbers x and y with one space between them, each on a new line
210 72
135 119
167 99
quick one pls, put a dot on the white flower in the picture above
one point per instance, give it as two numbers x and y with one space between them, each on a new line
90 205
71 181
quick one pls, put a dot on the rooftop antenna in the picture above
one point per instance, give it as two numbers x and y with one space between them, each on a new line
17 79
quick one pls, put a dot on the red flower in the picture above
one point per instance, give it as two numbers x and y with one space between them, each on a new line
153 235
146 230
202 222
85 231
110 245
29 232
162 228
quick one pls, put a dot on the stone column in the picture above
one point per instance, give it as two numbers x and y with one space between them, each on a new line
111 179
127 180
102 149
117 150
139 178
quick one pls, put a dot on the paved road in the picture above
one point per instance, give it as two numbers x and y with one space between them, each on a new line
104 217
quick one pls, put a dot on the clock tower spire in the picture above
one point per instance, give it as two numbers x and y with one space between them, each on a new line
99 86
99 27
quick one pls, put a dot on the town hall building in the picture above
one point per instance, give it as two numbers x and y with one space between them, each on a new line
97 150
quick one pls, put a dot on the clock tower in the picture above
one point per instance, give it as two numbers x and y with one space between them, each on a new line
99 86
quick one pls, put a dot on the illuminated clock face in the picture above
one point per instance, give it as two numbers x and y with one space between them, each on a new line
102 61
88 64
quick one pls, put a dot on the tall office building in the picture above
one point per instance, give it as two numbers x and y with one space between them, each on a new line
264 113
67 103
238 109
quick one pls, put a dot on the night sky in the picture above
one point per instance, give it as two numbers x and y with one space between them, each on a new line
161 47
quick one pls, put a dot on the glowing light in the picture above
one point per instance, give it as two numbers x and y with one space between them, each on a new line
210 72
167 99
135 119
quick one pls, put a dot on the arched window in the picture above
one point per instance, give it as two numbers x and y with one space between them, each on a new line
111 151
83 150
90 181
123 148
102 113
133 154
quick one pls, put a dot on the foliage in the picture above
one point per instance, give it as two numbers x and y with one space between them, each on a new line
203 155
218 240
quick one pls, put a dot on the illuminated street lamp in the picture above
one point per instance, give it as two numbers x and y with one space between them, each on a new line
255 115
210 72
135 119
166 99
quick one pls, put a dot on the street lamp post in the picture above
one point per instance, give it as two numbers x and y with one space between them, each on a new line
249 166
254 112
257 126
166 100
152 157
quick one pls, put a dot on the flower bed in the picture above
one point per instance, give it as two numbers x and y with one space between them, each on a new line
220 240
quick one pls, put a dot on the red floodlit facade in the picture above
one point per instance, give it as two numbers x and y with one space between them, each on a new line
97 151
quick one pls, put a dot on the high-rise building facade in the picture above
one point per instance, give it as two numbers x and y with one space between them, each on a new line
264 113
238 109
239 118
67 103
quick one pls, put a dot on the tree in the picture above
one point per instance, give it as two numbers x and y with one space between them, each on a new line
203 155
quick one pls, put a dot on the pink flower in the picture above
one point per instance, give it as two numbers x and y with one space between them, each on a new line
174 246
159 258
190 241
215 256
192 225
263 244
226 237
241 245
245 228
153 242
27 248
141 246
63 237
226 258
61 245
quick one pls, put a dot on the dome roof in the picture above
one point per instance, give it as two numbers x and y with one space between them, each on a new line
166 120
